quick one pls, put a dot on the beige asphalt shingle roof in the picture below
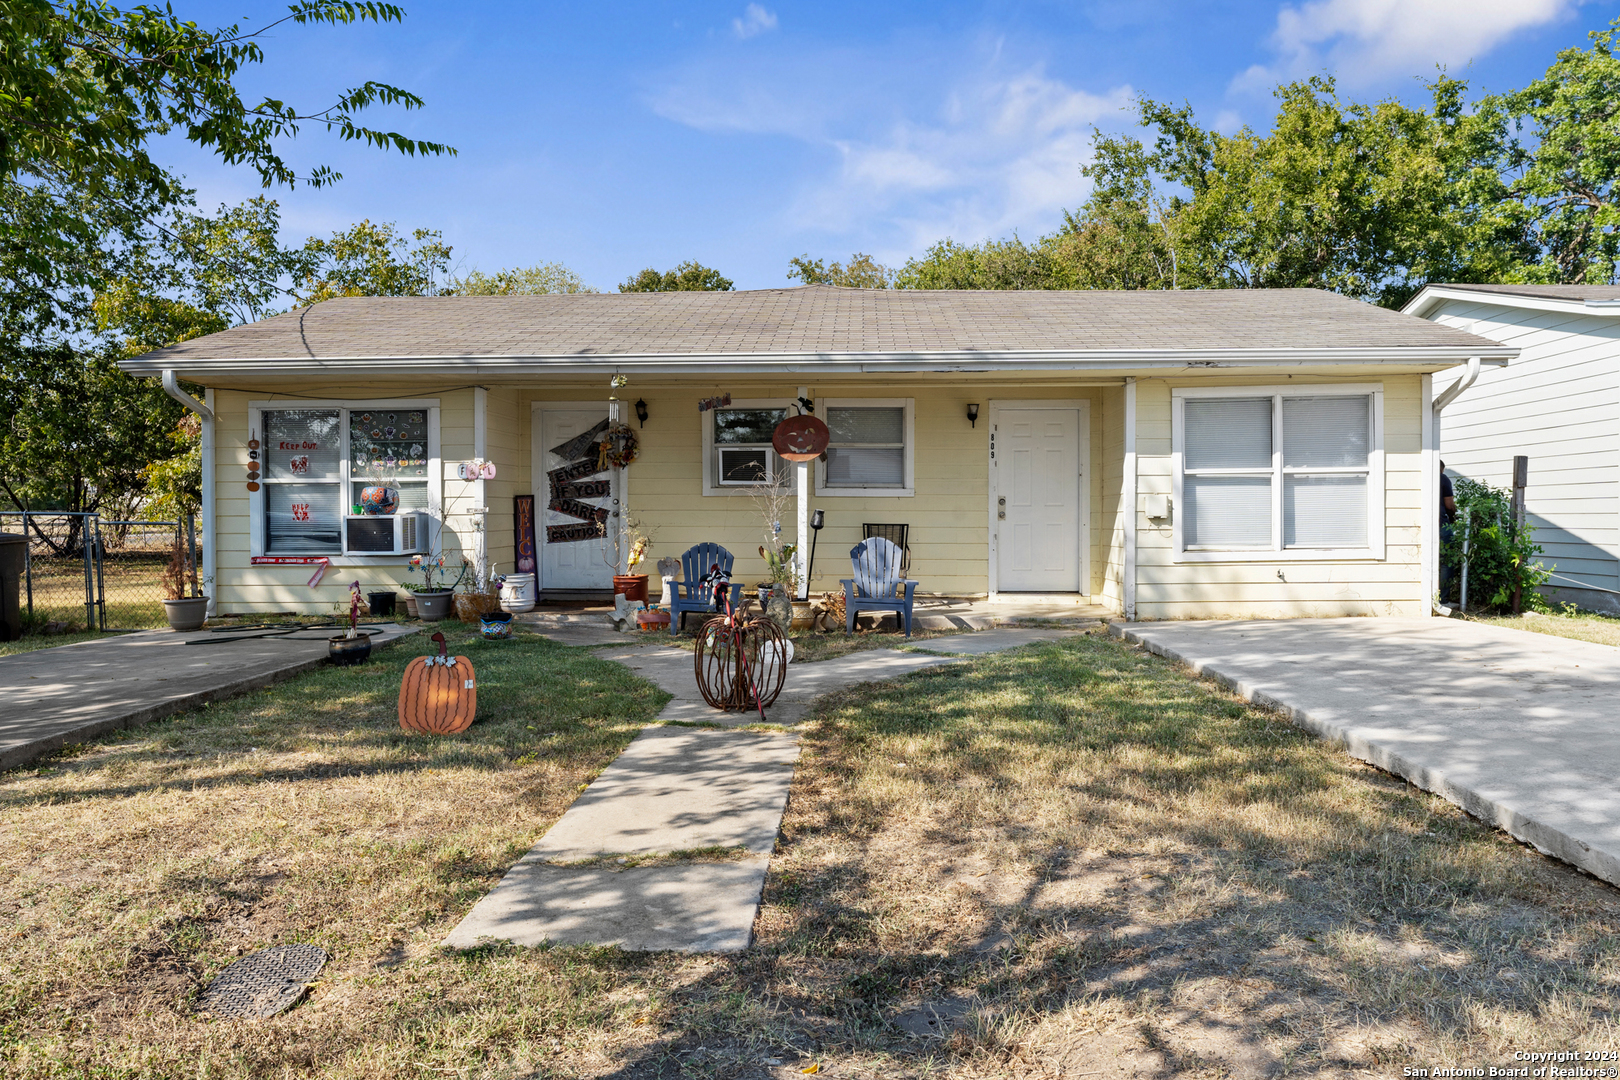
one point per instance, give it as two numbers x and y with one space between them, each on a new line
815 320
1577 293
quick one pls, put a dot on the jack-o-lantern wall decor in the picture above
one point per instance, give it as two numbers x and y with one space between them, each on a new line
439 694
800 438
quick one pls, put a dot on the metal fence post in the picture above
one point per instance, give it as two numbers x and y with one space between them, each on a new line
101 578
89 577
28 567
191 552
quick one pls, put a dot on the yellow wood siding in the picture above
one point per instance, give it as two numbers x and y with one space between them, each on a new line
1167 589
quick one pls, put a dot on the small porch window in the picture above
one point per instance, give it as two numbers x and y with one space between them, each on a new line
737 441
870 449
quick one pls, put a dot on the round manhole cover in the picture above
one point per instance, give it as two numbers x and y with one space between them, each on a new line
263 984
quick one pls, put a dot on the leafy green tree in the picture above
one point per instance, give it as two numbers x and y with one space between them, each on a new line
537 280
861 272
374 260
83 89
993 264
1559 156
687 277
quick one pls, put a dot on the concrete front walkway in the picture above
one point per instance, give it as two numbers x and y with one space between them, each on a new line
70 693
1518 728
673 791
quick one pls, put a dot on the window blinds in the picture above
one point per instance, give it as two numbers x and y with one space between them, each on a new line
1227 511
302 519
1228 433
1326 432
1325 511
867 447
302 444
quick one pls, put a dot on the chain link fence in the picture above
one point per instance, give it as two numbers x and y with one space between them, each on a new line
86 573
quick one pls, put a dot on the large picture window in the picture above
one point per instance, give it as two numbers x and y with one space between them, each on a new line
1267 471
316 462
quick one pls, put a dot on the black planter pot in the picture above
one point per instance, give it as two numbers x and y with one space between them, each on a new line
382 603
347 651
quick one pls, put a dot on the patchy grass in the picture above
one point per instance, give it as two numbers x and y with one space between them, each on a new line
1581 625
34 642
1065 860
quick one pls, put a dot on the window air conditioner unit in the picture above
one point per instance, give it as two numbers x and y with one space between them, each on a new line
388 534
746 466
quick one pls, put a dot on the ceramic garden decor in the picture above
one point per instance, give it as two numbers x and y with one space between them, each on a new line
439 694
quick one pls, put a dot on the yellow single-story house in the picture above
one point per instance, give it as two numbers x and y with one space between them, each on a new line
1243 453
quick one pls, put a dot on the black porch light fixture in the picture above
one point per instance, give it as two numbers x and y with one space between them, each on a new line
973 414
641 411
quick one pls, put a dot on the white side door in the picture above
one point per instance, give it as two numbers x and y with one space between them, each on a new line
1038 500
569 564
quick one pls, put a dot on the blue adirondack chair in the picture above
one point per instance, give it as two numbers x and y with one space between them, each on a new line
691 593
877 584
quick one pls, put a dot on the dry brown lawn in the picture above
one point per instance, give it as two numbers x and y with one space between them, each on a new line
1583 626
1070 860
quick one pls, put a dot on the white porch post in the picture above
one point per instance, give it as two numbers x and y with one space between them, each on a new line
1128 586
801 491
620 495
1429 531
480 451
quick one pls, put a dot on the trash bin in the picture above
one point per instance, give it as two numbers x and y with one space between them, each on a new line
13 555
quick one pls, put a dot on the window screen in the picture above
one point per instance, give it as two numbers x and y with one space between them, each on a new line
867 446
1232 478
302 444
302 519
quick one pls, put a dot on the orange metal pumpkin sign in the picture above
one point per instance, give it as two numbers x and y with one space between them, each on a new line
800 438
439 694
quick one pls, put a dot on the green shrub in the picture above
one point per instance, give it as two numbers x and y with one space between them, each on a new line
1500 557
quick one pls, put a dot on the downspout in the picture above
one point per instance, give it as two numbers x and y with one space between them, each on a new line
1431 478
205 413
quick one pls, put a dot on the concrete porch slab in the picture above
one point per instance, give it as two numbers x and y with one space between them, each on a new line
687 907
71 693
1518 728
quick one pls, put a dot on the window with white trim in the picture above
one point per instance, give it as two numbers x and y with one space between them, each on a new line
742 445
315 464
869 451
1268 470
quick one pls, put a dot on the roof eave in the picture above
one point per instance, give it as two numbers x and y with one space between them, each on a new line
152 364
1432 296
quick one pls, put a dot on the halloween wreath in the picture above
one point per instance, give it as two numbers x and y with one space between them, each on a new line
619 447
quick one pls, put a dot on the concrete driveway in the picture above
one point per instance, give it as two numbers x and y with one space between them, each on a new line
1518 728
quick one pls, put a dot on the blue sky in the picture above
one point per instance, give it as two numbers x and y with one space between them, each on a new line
614 137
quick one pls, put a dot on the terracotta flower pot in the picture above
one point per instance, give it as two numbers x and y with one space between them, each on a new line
186 614
631 586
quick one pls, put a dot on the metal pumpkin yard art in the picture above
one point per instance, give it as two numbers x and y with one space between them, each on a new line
800 438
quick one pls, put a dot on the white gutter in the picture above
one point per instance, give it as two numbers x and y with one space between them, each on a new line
1431 296
1454 391
862 363
206 453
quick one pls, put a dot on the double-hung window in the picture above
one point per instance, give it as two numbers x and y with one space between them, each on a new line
315 461
1263 472
869 450
740 438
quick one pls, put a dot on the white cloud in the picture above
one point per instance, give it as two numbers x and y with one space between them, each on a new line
755 20
994 153
1366 40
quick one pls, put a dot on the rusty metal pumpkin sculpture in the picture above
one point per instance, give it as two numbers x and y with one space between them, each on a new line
438 694
800 438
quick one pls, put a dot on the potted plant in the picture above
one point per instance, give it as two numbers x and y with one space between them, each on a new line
773 498
432 598
350 647
185 613
631 585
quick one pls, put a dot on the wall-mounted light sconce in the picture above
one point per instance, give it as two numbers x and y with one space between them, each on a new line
641 411
973 414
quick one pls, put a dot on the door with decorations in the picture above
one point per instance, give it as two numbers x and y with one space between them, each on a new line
574 500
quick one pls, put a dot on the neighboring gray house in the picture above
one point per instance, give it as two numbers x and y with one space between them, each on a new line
1559 404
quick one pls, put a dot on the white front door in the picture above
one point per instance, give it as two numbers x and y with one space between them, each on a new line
1038 497
567 562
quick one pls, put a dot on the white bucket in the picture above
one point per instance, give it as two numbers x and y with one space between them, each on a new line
517 592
